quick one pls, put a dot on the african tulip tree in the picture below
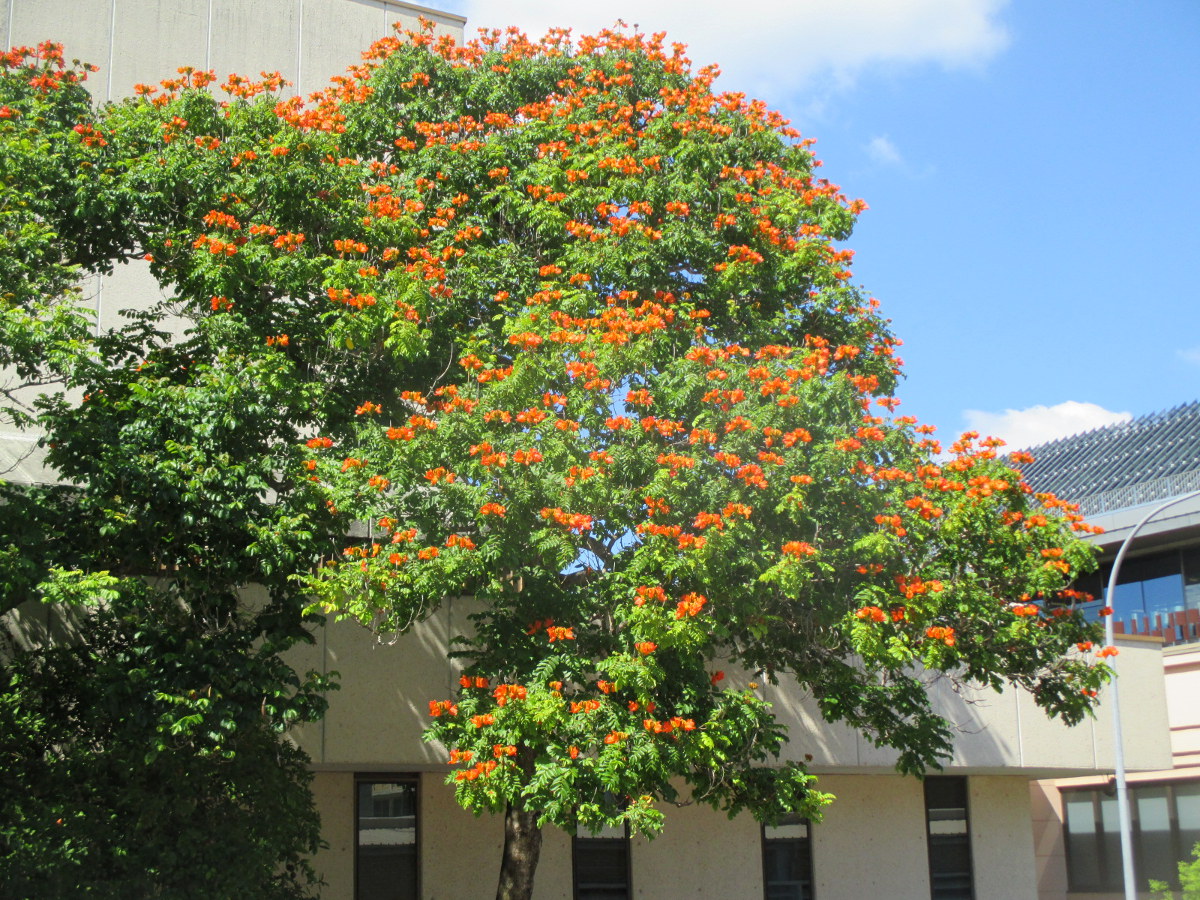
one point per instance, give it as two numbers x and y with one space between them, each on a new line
655 439
567 332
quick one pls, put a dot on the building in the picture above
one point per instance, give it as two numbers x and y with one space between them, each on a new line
384 803
1117 475
392 825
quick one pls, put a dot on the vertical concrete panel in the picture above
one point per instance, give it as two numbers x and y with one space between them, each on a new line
460 853
1146 731
334 796
1049 850
305 658
871 842
153 39
83 26
555 875
1050 744
336 32
377 716
809 735
6 22
248 38
1001 836
132 287
986 730
701 853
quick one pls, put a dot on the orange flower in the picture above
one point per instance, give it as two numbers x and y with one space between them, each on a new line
646 647
798 549
941 633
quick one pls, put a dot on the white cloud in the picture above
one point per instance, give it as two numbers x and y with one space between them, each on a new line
884 152
769 48
1038 424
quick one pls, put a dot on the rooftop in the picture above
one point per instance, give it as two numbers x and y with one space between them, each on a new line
1120 466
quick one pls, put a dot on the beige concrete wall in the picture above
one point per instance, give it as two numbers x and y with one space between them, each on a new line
1050 857
333 793
147 40
870 844
701 854
1001 837
377 717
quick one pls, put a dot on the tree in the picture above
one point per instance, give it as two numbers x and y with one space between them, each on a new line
656 443
559 328
141 750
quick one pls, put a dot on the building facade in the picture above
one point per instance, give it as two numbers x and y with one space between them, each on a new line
1118 475
964 834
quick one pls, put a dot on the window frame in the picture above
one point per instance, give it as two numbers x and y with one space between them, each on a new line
409 778
965 783
809 889
578 839
1113 875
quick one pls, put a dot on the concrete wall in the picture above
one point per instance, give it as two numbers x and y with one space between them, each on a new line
147 40
376 719
1182 668
871 844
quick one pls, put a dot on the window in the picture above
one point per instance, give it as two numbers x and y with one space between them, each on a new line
600 864
1157 593
950 872
787 860
1165 820
385 860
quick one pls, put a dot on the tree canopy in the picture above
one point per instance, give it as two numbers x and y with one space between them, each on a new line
556 326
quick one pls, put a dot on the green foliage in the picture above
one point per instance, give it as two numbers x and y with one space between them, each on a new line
1189 880
145 751
141 734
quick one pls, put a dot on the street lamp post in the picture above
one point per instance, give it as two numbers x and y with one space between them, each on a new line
1118 746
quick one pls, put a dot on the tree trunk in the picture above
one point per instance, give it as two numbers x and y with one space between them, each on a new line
522 847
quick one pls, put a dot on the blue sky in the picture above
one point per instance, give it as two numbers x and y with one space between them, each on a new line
1033 173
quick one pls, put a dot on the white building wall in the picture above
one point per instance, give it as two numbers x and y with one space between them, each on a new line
871 842
376 719
133 41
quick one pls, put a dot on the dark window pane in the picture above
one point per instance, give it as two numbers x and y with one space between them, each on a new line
787 864
1085 867
1155 853
601 868
787 860
386 857
950 871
